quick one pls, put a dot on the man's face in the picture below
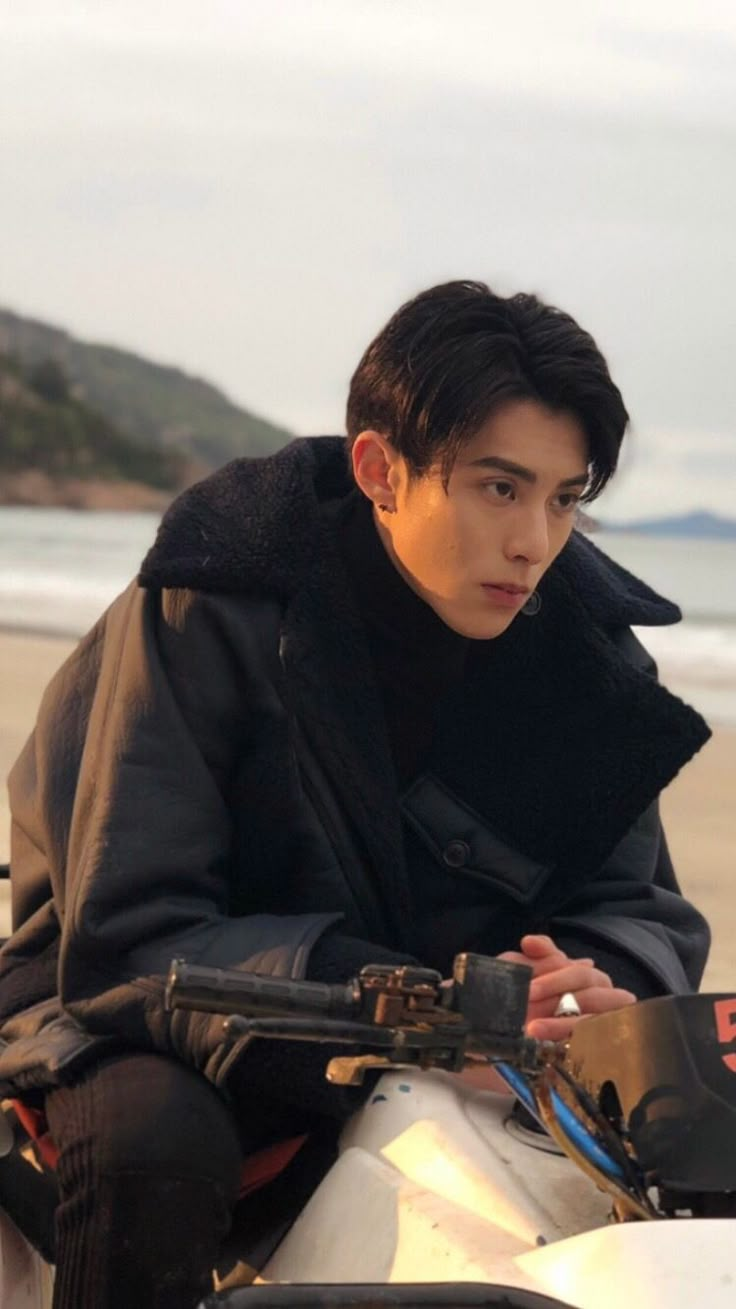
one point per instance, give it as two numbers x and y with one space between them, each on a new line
507 512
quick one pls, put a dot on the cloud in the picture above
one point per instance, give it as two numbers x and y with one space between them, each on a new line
249 190
671 471
622 57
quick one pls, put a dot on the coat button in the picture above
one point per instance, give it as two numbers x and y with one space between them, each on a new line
456 853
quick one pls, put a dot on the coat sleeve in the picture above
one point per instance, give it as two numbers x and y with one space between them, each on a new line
632 916
633 919
119 801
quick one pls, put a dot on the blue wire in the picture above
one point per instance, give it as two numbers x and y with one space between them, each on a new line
571 1126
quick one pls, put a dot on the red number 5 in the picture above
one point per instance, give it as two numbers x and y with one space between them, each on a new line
725 1015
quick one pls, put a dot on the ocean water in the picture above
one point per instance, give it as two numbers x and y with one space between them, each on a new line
697 657
60 568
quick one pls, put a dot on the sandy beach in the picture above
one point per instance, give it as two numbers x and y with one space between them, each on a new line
698 808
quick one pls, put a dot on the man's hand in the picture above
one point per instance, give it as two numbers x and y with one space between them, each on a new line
554 973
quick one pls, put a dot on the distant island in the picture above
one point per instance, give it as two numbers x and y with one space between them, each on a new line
90 426
699 523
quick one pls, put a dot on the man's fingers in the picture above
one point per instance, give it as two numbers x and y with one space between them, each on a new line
560 1029
542 953
600 1000
543 963
555 963
550 963
576 976
551 1029
539 946
595 1000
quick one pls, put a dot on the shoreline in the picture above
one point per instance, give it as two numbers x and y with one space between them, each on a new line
68 634
33 488
697 807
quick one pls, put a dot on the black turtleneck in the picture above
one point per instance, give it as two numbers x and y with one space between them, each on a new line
416 657
419 662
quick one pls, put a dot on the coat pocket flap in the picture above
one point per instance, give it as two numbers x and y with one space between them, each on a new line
461 840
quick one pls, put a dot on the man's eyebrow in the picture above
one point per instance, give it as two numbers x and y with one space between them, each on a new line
518 470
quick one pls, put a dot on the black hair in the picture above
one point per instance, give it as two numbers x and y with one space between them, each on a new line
449 358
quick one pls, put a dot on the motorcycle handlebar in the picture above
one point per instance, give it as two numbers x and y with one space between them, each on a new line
228 991
486 1014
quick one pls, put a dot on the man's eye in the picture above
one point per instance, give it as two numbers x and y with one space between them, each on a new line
504 490
568 501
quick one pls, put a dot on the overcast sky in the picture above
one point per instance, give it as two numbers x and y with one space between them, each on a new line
249 188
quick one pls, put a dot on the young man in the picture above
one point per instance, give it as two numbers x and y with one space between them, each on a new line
353 710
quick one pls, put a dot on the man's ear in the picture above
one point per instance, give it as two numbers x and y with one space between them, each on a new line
373 458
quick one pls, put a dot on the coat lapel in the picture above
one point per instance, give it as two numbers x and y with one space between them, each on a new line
554 739
557 741
333 692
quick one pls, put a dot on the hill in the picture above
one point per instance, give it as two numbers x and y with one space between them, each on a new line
152 404
699 523
56 450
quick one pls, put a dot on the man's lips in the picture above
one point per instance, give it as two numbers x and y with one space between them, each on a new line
506 594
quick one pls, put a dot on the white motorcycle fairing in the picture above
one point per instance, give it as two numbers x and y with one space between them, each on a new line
433 1185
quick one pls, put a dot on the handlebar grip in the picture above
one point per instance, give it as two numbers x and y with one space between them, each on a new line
229 991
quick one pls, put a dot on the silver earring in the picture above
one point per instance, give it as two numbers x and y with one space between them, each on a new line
533 605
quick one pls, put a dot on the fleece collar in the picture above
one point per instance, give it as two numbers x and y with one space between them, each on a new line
253 526
554 740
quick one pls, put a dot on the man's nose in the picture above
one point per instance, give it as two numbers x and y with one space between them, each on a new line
528 538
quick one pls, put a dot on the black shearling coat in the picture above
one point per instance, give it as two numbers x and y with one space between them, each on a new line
210 777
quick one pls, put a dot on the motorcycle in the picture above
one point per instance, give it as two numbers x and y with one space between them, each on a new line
608 1177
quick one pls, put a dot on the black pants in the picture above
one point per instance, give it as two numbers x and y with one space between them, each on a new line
149 1169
